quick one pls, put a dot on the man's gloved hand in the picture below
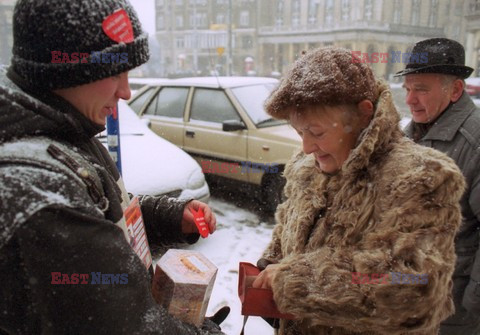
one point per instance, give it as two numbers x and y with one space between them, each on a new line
212 323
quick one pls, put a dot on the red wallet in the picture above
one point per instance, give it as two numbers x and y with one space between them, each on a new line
256 301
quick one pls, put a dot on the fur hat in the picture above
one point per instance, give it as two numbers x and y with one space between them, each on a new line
444 56
323 76
66 43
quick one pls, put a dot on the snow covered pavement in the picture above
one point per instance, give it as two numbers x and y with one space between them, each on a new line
240 237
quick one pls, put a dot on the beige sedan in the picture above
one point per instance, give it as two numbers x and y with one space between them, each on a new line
221 122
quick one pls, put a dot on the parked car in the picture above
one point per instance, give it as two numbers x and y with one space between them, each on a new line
221 122
137 83
473 86
153 166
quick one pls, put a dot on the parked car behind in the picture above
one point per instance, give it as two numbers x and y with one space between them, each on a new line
153 166
137 83
473 86
221 122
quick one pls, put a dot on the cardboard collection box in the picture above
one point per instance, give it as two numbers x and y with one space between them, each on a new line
183 283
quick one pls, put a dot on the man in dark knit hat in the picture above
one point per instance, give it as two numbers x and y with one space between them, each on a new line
445 118
62 200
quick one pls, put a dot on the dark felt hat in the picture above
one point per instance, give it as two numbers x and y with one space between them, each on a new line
443 55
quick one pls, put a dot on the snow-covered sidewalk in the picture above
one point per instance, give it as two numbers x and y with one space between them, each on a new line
240 237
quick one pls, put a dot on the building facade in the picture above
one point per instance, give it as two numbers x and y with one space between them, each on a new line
473 36
196 37
266 36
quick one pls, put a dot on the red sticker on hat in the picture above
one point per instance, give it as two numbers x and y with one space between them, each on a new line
118 26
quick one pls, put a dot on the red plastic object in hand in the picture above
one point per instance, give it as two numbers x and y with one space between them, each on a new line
199 219
256 301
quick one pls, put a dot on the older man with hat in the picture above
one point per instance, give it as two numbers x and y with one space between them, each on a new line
445 118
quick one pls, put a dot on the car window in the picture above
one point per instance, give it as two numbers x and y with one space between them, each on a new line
213 106
252 99
139 101
169 102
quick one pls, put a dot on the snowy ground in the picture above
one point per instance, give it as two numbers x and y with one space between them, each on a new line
241 236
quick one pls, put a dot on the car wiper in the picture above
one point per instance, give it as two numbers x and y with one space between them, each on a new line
265 121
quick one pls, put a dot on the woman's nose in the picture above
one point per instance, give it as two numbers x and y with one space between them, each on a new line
309 145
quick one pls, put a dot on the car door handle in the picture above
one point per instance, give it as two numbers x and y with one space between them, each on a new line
190 133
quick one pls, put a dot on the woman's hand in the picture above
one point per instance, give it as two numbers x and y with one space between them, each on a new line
265 278
188 222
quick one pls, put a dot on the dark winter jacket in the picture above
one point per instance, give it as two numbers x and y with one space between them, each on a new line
457 133
60 197
343 240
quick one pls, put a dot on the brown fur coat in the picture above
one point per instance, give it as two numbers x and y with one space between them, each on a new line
393 207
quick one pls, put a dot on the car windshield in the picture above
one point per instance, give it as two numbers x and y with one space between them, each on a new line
252 98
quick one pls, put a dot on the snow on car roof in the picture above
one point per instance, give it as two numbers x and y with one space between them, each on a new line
211 81
473 81
148 81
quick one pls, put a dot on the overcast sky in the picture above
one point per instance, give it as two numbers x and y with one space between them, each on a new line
146 12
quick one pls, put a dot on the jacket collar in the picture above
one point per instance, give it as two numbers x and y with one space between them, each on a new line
70 122
449 122
376 139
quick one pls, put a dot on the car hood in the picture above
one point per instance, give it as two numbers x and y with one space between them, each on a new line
282 132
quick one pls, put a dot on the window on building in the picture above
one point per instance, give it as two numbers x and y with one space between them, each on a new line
160 3
179 21
312 11
397 11
474 6
345 10
329 12
368 10
179 2
220 18
295 13
244 18
160 22
432 20
279 16
199 20
416 12
180 42
247 42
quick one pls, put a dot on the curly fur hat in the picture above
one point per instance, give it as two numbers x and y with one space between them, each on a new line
323 76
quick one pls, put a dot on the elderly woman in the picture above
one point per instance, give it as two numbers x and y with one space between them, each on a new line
364 243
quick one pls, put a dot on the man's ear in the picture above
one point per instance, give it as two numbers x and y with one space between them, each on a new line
365 108
457 89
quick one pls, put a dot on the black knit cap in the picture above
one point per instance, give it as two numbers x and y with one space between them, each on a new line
74 27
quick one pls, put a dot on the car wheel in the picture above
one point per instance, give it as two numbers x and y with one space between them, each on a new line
272 192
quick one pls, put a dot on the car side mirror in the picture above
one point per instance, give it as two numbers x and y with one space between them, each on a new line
146 122
232 125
